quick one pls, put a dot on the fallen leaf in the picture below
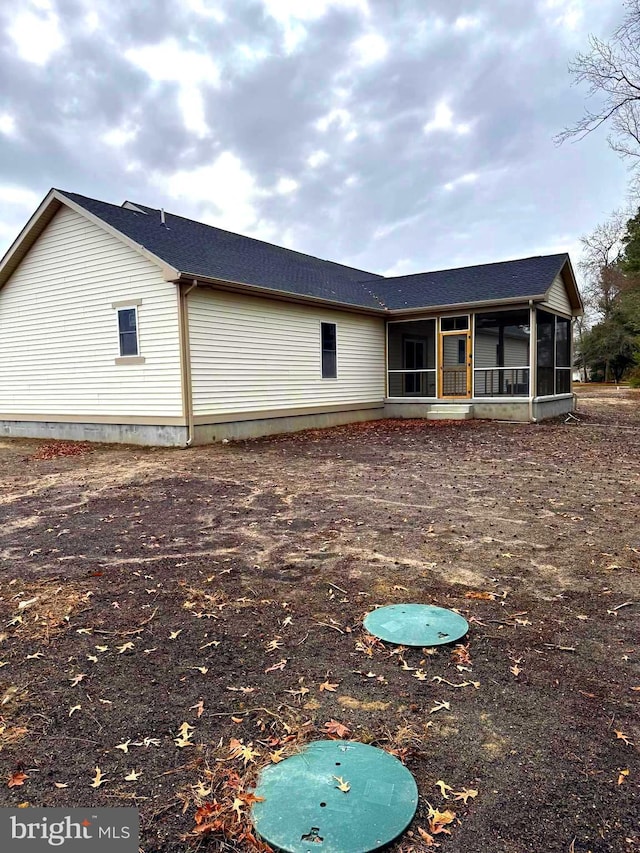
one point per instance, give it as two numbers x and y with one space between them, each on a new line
61 784
622 776
280 665
132 776
92 658
299 693
16 779
333 727
240 750
277 755
173 635
342 785
78 678
203 669
622 736
468 793
515 669
98 779
439 706
201 789
237 807
274 644
185 731
125 648
74 709
124 746
460 654
444 788
480 596
199 708
420 675
35 656
327 685
439 820
428 840
102 648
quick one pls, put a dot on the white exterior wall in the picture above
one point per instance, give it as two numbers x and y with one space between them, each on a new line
557 298
250 354
59 334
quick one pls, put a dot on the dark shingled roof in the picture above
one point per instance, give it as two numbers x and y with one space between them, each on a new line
196 249
521 279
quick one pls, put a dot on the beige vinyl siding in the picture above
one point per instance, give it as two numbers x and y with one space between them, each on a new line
516 351
59 335
250 354
557 298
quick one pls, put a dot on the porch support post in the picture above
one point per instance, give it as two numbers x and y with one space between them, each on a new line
533 357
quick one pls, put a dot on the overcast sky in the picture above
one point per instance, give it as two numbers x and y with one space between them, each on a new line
393 135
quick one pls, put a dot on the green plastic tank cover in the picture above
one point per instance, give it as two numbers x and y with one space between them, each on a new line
337 796
416 624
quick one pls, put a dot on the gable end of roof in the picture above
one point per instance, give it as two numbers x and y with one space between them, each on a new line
43 215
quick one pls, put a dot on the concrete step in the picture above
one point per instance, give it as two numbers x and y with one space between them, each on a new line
450 411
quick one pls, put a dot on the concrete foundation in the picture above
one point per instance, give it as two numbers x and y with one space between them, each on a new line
552 408
510 410
208 433
494 410
144 434
176 436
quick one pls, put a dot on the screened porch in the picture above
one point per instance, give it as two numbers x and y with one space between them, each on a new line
481 355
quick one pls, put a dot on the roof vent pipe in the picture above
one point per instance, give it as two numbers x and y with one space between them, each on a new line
162 222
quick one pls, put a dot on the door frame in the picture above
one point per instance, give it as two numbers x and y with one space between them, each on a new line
464 334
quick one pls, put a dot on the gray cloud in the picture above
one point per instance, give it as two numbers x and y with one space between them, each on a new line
312 130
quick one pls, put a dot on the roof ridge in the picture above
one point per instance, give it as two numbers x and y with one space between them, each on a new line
393 278
271 245
168 213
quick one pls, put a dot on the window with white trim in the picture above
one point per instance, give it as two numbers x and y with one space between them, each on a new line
128 331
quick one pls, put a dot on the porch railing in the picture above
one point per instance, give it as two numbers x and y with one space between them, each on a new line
501 382
412 383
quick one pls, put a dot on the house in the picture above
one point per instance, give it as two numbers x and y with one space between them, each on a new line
126 324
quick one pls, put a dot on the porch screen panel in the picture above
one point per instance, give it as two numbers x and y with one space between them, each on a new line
501 354
412 358
563 355
545 351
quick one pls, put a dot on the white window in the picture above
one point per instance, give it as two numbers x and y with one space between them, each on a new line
128 331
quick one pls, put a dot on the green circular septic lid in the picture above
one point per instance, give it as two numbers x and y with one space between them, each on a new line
416 624
305 811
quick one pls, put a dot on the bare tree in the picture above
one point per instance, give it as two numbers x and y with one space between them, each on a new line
612 71
604 280
601 252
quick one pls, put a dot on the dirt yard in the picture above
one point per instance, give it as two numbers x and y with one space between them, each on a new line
172 620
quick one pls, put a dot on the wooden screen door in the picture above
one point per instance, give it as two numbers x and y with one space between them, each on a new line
455 365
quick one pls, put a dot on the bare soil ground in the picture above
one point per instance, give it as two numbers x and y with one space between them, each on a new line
224 587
